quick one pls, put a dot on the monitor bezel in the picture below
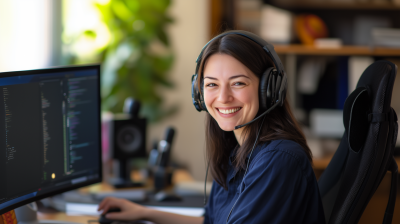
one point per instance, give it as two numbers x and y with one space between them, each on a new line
70 187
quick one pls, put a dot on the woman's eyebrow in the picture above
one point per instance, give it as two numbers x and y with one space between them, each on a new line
232 77
237 76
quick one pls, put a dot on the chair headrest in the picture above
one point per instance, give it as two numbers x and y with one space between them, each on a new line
355 118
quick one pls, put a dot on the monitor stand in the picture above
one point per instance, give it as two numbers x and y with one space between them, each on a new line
27 214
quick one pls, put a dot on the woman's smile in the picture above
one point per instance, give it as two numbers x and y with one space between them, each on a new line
228 112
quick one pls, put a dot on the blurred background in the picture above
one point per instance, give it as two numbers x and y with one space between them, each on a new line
148 49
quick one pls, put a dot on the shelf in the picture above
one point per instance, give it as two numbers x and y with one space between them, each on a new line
342 51
322 4
321 163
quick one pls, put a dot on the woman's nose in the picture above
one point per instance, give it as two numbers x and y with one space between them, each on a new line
225 95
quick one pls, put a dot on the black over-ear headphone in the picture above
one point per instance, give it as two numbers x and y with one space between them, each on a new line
273 82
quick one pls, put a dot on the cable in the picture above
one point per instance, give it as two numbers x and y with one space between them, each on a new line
247 167
205 184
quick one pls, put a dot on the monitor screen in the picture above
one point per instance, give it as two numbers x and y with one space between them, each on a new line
49 133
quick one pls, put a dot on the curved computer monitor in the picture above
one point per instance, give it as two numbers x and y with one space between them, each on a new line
49 133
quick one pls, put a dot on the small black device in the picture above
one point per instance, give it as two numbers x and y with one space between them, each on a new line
127 140
164 147
162 171
50 133
273 82
163 196
153 155
104 220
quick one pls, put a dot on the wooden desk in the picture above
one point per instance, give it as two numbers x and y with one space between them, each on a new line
376 207
61 216
372 214
179 176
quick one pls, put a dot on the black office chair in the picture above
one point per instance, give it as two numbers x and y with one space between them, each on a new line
366 150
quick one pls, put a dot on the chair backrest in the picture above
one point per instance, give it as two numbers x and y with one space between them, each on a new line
366 150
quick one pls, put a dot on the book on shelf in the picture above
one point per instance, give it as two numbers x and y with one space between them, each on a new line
357 65
386 37
276 25
248 15
328 43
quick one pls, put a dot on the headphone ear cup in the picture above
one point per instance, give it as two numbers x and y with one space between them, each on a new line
202 102
284 84
265 89
195 94
273 88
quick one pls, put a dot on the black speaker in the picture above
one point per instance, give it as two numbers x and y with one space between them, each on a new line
129 133
129 138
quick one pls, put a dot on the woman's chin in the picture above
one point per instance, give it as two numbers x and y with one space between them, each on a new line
227 127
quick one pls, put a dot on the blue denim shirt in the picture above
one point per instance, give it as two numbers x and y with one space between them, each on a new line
279 187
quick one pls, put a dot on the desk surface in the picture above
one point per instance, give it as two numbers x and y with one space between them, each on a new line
178 177
372 214
64 217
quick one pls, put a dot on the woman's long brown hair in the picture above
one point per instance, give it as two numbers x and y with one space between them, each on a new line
279 123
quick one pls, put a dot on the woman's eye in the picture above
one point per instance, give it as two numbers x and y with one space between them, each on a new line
210 85
238 83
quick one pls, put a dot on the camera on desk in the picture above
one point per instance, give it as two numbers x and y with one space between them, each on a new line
126 135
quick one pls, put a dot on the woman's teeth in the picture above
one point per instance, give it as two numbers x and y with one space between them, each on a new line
229 111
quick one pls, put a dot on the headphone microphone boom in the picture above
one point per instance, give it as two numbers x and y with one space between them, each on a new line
261 115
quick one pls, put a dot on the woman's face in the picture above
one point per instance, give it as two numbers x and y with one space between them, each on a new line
230 91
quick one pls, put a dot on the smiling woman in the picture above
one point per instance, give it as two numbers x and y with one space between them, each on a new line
232 66
263 169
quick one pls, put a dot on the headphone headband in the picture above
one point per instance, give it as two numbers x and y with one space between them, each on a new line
269 48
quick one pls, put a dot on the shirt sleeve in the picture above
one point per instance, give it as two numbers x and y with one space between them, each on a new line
278 188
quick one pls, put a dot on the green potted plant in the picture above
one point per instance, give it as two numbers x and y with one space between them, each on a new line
138 56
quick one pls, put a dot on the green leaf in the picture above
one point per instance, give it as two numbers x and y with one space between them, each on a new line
90 34
133 5
121 10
